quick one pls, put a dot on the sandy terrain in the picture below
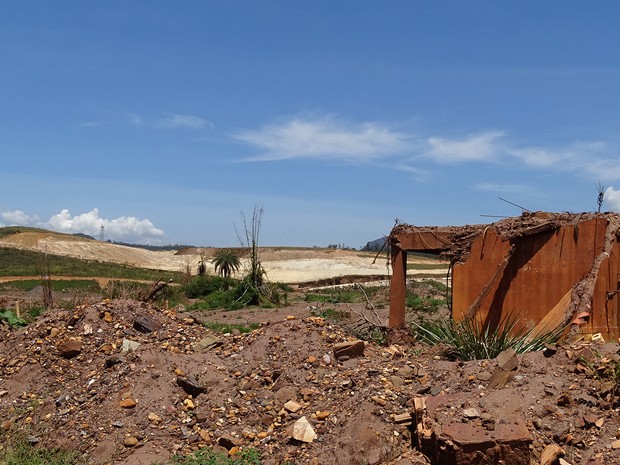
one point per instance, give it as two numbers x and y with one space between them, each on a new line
288 265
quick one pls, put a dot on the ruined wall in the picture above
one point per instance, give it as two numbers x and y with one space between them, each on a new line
605 317
542 269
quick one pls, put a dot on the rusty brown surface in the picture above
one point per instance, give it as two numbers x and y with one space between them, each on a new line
553 254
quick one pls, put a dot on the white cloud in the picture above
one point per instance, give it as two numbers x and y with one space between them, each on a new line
324 138
124 228
612 198
17 217
173 121
480 147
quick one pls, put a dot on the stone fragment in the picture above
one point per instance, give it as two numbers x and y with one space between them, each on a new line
130 441
292 406
550 350
191 385
70 349
303 431
507 360
111 361
107 317
397 381
154 418
615 444
322 415
206 344
349 349
146 324
312 359
129 346
127 403
54 332
327 359
403 418
407 372
551 454
471 413
499 378
378 400
228 442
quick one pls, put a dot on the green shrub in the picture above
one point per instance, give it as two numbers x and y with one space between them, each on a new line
468 340
12 319
202 286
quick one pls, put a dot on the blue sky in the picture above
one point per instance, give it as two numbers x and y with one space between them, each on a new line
163 120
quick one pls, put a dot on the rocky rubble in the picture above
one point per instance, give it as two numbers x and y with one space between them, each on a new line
126 382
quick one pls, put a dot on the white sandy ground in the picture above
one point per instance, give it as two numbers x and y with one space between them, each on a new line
299 266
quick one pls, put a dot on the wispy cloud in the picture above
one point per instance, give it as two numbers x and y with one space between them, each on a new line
124 228
478 147
174 120
167 121
324 138
331 138
508 188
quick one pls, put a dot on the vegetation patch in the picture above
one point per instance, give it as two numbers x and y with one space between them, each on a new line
15 262
331 314
208 456
19 451
60 285
469 340
12 319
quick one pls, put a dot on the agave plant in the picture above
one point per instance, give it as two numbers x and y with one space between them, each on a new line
468 340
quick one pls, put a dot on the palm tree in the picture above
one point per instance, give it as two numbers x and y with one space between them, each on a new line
226 262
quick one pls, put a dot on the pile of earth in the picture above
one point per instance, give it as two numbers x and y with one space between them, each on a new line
129 383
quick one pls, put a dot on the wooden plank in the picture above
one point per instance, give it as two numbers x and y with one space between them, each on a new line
555 316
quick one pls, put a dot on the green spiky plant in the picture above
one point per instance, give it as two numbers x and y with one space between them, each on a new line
469 340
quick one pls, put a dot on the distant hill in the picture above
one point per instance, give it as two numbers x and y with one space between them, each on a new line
154 248
376 245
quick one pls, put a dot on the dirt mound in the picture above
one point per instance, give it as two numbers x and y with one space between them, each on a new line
126 382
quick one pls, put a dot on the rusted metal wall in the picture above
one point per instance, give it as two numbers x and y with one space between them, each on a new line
542 269
605 316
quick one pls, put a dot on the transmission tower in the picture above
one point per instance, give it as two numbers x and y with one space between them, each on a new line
101 233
